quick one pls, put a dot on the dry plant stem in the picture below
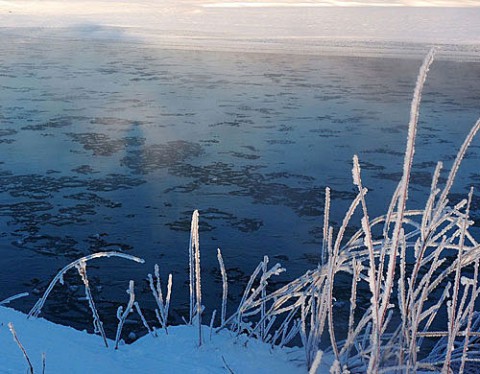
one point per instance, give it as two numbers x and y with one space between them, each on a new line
293 332
333 267
191 263
335 368
456 164
427 228
282 332
316 362
35 311
389 217
195 254
15 338
326 218
163 305
317 306
168 298
97 322
403 191
142 317
263 282
454 322
401 206
432 312
212 320
354 242
224 286
467 260
242 304
414 289
363 324
304 334
372 272
401 295
251 302
418 298
443 198
471 308
418 292
122 315
427 214
357 270
227 367
14 297
319 310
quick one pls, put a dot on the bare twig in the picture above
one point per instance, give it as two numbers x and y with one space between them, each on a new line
15 338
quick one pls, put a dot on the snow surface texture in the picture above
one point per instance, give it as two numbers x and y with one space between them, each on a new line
72 351
314 26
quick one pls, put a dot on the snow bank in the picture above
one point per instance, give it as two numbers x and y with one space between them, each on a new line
71 351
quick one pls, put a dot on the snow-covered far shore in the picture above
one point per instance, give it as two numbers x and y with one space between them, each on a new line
70 351
259 27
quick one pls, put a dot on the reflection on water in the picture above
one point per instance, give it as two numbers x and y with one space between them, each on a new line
114 145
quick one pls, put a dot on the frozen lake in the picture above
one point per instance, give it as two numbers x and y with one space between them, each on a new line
112 145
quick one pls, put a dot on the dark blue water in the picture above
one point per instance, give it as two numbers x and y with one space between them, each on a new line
113 145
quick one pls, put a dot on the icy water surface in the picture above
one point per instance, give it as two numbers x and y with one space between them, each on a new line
113 145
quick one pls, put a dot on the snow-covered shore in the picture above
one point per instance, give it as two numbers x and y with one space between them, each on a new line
71 351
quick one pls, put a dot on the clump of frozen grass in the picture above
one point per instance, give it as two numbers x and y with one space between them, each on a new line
404 268
36 310
163 304
122 315
416 264
257 313
81 266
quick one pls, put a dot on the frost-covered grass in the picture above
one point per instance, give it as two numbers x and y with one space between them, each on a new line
421 268
418 269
